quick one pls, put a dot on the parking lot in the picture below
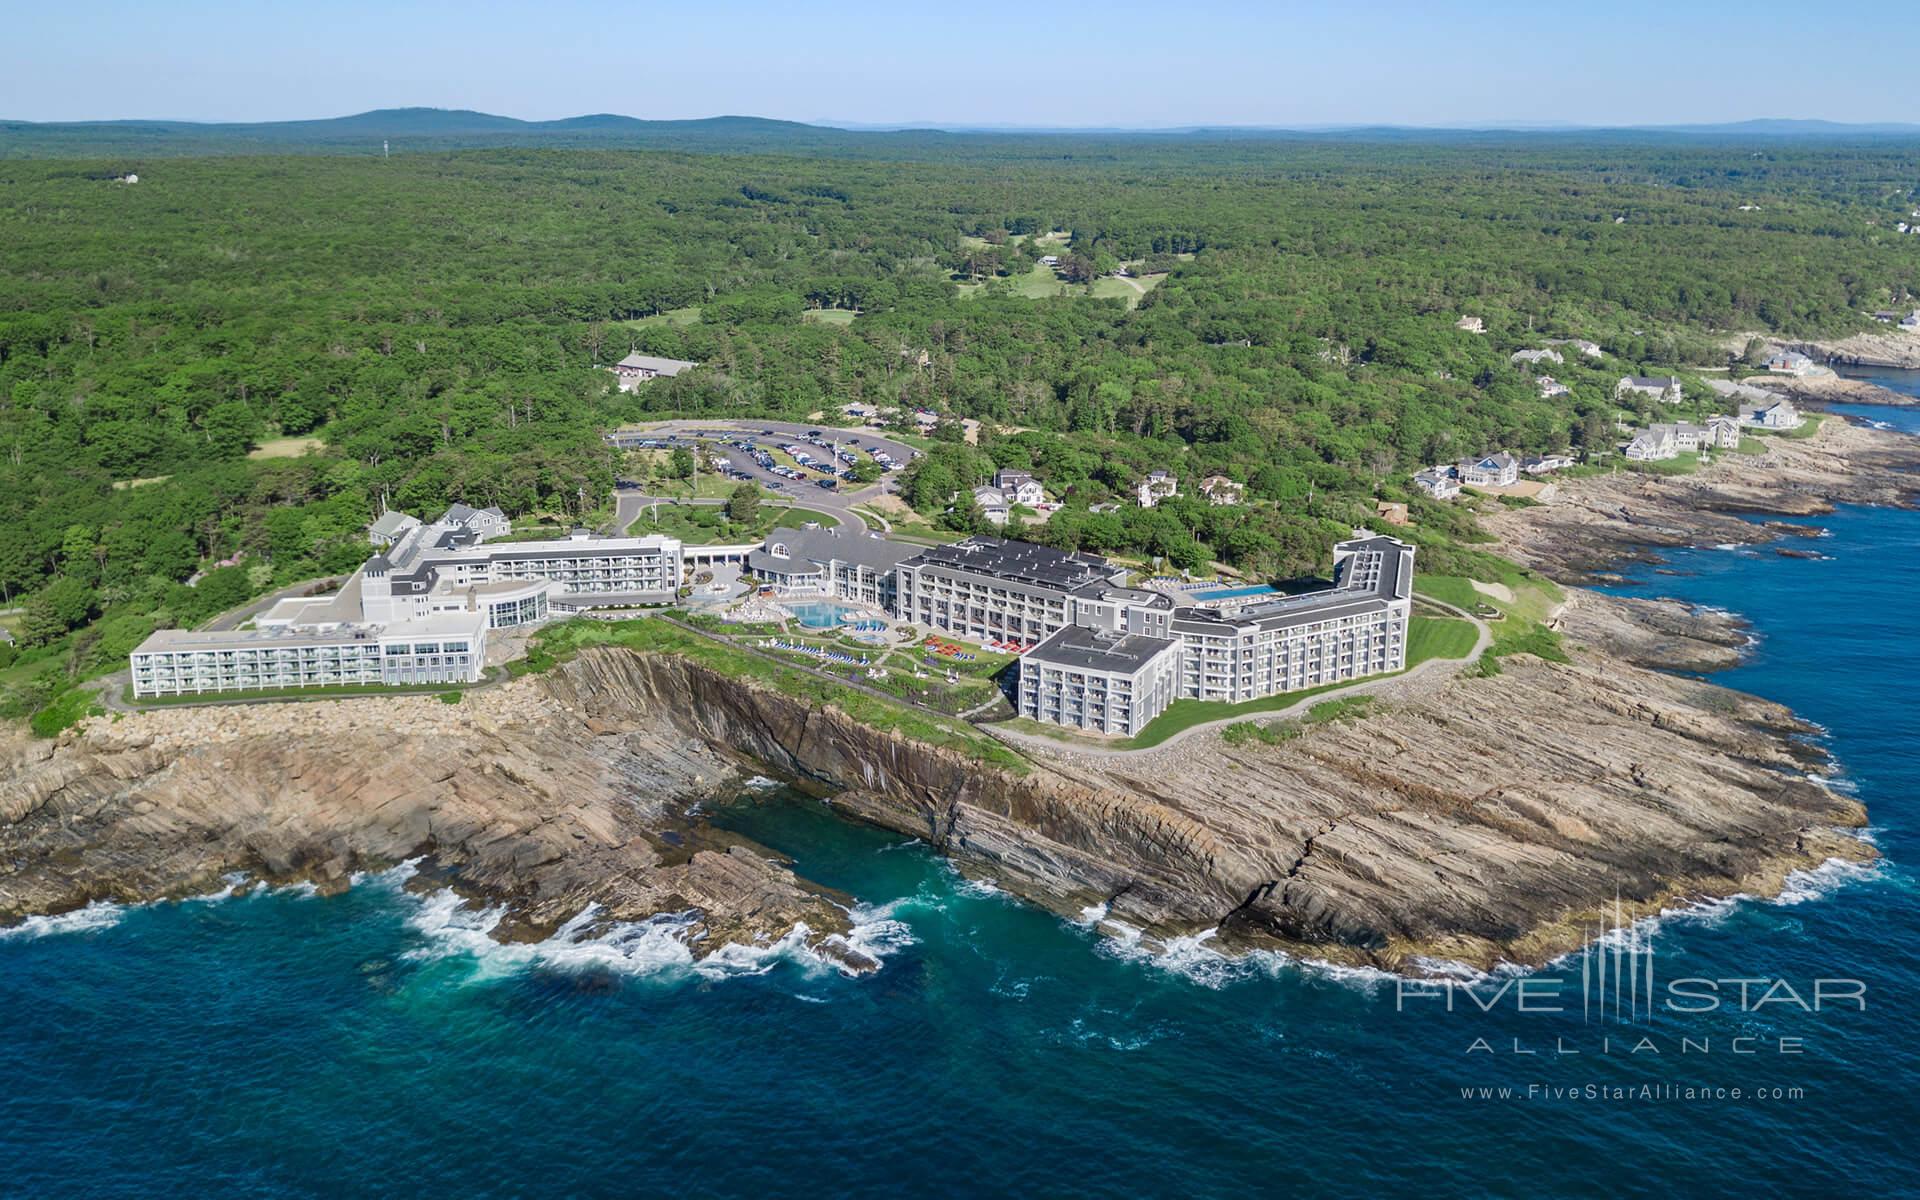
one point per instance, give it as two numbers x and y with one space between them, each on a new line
758 451
784 457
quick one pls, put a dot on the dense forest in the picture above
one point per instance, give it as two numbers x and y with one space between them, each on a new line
433 326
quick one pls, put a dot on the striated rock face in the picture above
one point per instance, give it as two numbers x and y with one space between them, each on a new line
512 795
1474 819
1478 819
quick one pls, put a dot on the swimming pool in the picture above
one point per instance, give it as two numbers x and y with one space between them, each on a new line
819 614
1239 593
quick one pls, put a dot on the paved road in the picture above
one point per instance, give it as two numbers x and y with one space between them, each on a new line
1038 741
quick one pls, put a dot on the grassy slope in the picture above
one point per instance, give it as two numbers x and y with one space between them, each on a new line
560 642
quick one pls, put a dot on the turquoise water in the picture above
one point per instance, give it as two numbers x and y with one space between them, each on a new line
1235 593
818 614
283 1044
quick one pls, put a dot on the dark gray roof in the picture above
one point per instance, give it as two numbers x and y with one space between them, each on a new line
823 545
1023 562
1082 649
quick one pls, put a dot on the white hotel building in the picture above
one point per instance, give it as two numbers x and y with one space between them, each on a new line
1124 658
416 613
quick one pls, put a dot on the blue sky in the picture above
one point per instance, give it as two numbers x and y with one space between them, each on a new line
1121 63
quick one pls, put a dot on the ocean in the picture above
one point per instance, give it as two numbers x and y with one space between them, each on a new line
285 1044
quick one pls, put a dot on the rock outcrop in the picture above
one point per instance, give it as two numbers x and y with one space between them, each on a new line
1474 819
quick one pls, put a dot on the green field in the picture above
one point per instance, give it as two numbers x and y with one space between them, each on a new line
689 315
829 316
707 524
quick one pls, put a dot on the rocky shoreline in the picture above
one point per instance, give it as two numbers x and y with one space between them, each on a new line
1598 523
1468 819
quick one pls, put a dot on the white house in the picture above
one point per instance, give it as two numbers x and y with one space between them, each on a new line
1536 357
1438 482
1157 486
1471 324
1771 414
1219 490
1541 464
1724 433
1653 445
635 369
1665 389
1551 387
1494 470
1019 487
993 504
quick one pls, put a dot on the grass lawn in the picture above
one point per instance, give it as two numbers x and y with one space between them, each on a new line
829 316
1809 425
1751 445
1439 637
654 636
676 316
1448 589
1686 464
707 524
286 447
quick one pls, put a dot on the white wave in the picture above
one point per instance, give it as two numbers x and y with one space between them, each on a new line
1092 915
99 914
760 783
1824 880
1191 958
234 881
393 877
663 944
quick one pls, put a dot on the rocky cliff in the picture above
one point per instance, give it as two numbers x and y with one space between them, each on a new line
1474 819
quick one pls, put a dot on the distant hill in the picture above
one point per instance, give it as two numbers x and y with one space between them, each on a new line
411 130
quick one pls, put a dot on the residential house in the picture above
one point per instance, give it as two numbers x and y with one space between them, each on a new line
1771 414
480 523
993 503
1789 362
1157 486
1536 357
1911 320
635 369
1586 348
1665 389
1020 487
1541 464
1218 490
1724 433
1494 470
1653 445
1440 483
1551 387
390 527
1886 316
1471 324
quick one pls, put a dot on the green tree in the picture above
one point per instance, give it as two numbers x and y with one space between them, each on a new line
56 610
743 505
680 463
